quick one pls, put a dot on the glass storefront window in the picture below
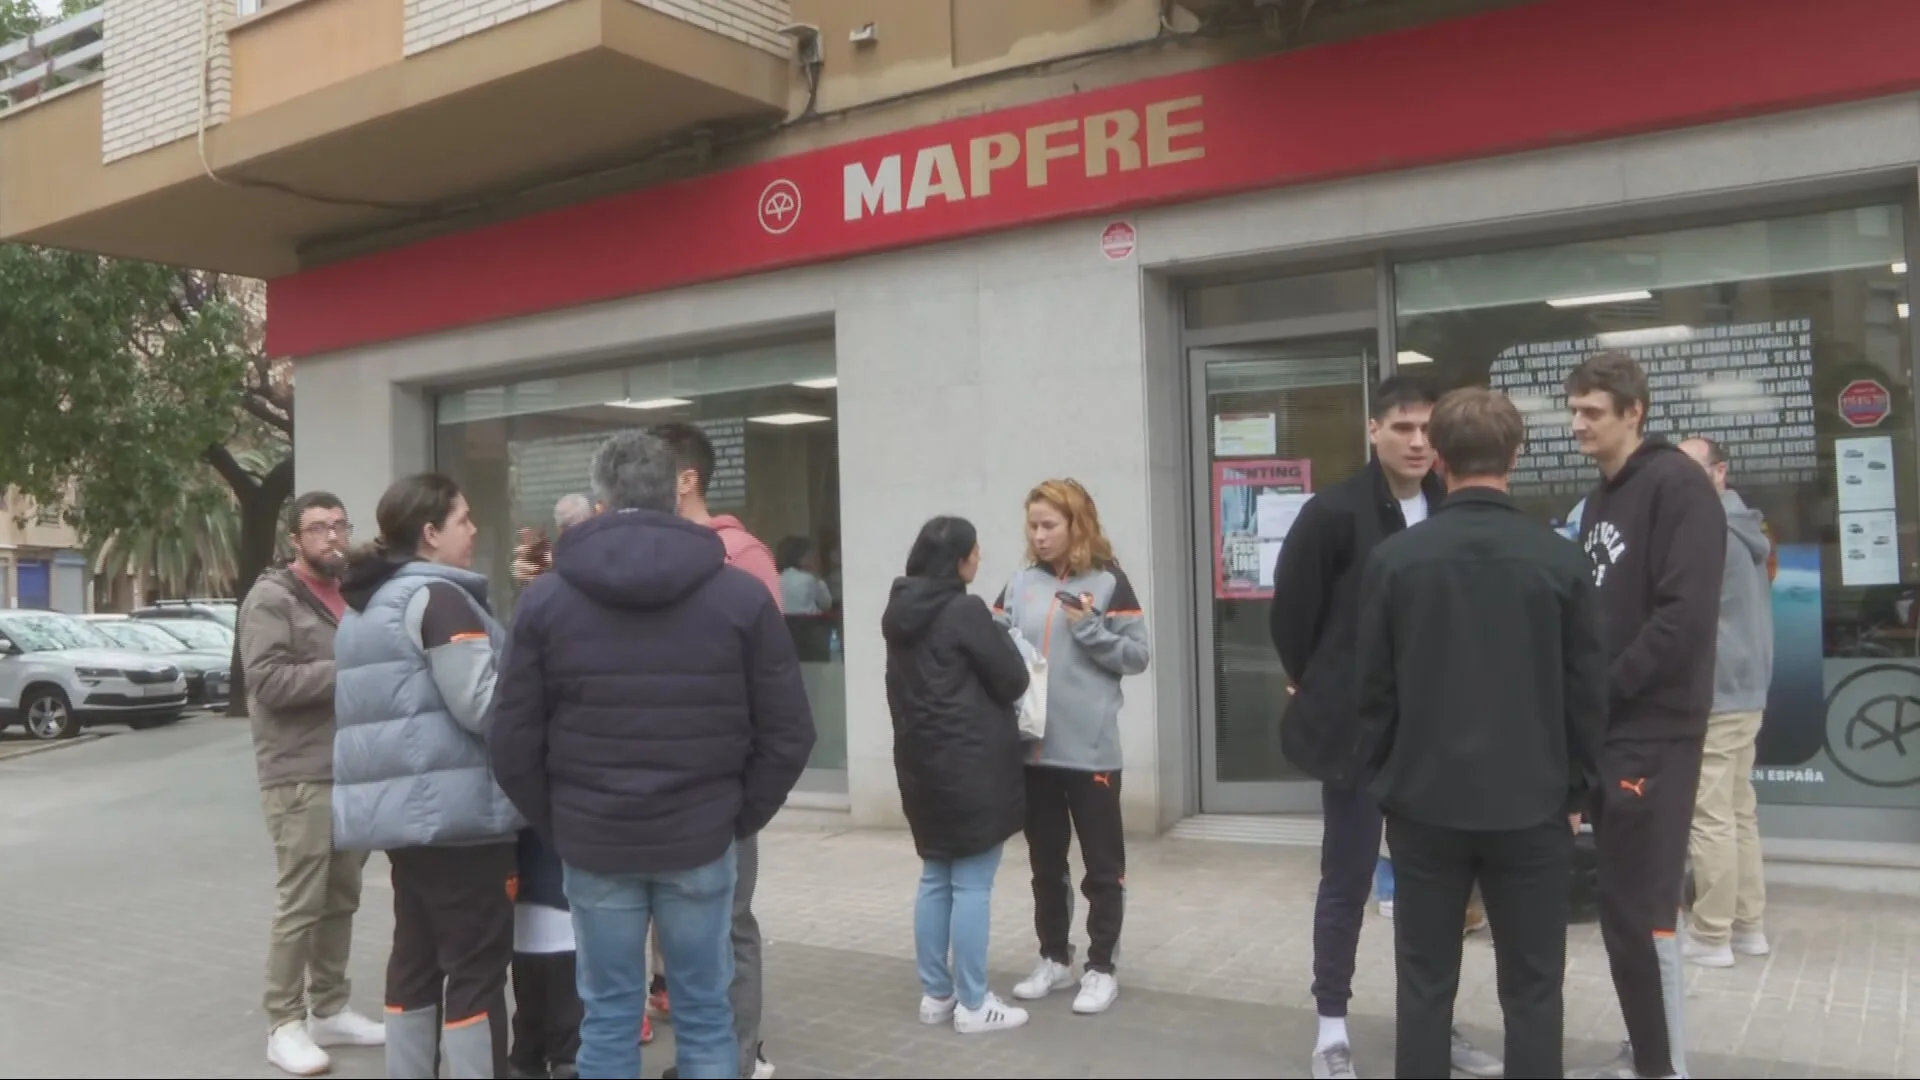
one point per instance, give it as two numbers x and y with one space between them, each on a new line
1786 340
772 414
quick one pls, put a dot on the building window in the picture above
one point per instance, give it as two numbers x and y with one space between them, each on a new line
772 414
1786 340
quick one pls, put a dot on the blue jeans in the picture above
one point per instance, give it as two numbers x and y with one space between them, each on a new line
953 912
692 911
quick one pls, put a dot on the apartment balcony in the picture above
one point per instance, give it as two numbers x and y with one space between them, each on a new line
203 134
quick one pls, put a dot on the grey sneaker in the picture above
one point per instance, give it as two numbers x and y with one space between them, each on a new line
1472 1060
1334 1063
1620 1068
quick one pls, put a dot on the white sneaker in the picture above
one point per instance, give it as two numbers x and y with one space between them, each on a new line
346 1028
935 1010
1706 955
1097 991
1334 1062
992 1015
1046 978
1751 943
291 1050
1386 909
762 1069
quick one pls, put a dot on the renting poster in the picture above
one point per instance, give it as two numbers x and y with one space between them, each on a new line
1254 506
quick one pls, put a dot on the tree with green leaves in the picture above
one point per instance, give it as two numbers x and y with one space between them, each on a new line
125 387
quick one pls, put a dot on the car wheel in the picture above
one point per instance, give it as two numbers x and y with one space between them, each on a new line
48 716
148 723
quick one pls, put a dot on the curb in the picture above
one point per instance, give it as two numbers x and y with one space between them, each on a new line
8 752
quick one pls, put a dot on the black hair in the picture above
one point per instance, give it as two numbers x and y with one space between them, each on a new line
312 500
1401 392
691 450
943 544
788 553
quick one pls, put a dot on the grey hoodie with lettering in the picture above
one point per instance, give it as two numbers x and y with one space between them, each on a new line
1085 660
1744 668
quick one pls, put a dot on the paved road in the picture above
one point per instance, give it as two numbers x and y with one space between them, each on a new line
135 887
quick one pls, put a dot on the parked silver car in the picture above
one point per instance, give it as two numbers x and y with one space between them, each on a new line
206 669
58 674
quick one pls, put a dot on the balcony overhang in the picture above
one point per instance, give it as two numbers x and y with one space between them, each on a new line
579 85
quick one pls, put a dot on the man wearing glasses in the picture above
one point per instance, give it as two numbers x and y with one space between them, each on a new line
286 629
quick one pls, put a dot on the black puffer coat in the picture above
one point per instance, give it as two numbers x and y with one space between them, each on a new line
953 676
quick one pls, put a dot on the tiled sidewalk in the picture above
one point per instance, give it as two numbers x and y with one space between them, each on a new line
137 885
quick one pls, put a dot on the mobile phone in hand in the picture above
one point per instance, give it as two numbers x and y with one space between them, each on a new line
1069 600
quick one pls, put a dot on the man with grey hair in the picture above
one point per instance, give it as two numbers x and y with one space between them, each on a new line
649 714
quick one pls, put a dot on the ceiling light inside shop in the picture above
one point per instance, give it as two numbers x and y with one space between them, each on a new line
789 419
651 403
1600 298
1651 335
1411 357
1898 268
828 383
1900 310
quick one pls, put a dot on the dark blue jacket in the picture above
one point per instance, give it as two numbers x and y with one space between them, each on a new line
649 709
542 881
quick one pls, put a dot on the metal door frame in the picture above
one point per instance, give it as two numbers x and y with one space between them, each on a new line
1250 341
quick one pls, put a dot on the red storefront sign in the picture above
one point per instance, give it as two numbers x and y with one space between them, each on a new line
1864 403
1547 73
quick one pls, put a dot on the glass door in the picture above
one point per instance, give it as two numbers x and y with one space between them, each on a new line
1276 422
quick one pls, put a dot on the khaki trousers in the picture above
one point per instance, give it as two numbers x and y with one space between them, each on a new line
1730 891
319 891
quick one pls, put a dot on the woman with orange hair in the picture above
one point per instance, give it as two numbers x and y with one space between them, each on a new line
1072 602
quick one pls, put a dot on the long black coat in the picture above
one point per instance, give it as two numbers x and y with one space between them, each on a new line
953 676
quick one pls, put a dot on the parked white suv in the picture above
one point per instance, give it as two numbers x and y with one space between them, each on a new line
57 675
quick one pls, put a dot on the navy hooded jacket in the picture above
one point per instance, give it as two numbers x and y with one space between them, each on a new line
649 709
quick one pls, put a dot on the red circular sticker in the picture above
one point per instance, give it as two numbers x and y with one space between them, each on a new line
1117 240
1864 403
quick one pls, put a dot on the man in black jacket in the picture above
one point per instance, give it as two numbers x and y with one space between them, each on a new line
1316 587
1483 697
649 715
1656 534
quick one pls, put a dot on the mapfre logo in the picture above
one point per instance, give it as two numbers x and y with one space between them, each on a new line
779 206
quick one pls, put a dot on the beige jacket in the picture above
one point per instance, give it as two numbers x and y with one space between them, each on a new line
286 653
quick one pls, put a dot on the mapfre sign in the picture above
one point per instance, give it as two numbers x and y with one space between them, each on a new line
1303 116
1079 149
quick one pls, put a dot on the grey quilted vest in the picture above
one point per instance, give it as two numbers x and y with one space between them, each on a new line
405 773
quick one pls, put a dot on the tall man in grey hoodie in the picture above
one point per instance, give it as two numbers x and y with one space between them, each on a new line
1730 893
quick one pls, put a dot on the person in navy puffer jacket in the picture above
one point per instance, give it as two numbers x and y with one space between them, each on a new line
650 715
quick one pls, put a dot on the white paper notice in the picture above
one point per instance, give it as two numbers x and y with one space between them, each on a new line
1245 435
1870 547
1866 474
1274 513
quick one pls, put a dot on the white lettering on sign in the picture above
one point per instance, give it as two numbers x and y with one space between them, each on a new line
1124 140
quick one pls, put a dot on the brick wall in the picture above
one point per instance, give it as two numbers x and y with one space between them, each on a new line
756 22
152 91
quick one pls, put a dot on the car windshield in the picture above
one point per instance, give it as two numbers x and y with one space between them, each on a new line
197 633
132 635
43 633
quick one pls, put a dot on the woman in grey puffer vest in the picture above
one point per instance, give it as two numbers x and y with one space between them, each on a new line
416 657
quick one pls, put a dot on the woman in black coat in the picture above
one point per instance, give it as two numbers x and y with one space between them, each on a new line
953 676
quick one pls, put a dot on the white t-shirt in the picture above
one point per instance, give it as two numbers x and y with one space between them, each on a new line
538 928
1414 509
